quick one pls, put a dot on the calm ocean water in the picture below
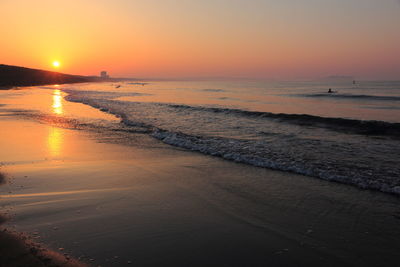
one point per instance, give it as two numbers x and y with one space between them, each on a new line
351 136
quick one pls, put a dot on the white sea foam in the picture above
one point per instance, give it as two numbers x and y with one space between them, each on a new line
263 139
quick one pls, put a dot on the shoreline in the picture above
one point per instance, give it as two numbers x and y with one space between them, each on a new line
155 201
121 198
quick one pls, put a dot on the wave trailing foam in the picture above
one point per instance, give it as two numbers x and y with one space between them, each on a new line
278 141
337 124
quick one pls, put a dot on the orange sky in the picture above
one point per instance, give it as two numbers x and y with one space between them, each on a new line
181 38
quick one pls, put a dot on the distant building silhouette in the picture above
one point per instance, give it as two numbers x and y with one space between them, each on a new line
104 74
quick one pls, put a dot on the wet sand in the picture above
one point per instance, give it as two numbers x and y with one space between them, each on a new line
18 249
114 199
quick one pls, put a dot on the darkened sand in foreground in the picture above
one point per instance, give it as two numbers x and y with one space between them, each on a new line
17 249
113 199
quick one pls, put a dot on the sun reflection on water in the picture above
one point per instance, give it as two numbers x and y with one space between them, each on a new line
55 141
57 102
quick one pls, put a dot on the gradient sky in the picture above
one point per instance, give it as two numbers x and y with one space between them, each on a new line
280 39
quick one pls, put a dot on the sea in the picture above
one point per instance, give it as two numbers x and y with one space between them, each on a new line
350 136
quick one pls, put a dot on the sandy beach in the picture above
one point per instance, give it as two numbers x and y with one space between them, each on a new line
199 133
112 198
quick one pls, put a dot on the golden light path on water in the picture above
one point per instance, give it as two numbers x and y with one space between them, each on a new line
55 141
57 102
55 136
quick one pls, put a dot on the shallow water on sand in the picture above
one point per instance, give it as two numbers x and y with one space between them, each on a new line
351 136
110 192
152 205
284 126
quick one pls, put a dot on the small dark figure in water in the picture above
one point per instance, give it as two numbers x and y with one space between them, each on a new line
330 91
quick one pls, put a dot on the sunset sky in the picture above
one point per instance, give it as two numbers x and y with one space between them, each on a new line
280 39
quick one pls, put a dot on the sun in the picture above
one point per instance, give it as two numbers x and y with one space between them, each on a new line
56 64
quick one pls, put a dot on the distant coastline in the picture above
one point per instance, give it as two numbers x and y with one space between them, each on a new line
13 76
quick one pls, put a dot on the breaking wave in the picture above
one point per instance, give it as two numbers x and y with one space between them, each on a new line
335 149
339 124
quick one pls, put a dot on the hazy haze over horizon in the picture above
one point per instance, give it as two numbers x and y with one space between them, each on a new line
226 38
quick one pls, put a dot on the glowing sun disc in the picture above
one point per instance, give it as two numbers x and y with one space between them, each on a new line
56 64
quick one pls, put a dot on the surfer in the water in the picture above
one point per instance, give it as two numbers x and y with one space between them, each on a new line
330 91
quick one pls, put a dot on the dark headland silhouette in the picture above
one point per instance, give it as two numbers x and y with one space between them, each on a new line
12 76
